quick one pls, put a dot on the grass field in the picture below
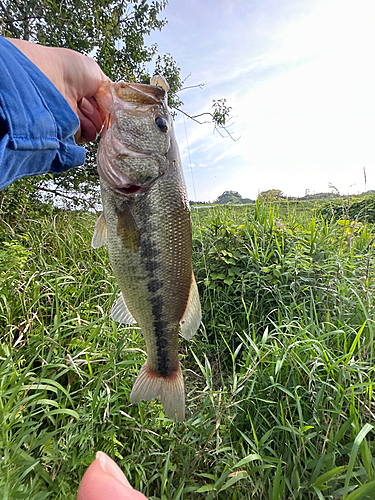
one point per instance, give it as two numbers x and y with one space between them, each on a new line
279 379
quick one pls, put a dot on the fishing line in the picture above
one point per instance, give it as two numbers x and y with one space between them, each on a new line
207 295
191 167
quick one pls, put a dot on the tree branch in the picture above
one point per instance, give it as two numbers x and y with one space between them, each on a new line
193 117
200 85
56 192
218 128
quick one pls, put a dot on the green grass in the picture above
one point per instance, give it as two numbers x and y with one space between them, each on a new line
279 378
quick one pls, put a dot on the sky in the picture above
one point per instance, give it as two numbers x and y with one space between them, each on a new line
299 76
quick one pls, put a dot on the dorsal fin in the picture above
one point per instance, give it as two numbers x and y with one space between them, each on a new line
160 81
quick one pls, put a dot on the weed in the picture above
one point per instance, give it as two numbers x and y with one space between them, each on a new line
279 378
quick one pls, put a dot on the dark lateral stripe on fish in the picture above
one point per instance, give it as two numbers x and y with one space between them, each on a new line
152 264
160 328
150 253
154 285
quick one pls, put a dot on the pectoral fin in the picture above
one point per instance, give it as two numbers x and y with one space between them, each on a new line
127 229
100 233
121 313
191 319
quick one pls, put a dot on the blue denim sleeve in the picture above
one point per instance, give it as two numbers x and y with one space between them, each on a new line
37 125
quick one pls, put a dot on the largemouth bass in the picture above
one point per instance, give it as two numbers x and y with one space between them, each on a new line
146 224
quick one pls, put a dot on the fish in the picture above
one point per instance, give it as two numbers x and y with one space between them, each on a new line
147 227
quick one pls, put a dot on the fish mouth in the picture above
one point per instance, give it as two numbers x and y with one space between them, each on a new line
124 185
132 189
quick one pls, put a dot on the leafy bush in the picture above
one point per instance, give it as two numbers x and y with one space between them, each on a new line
274 270
361 209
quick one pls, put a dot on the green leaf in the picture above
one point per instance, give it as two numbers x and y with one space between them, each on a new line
207 475
362 491
353 455
321 480
249 458
205 488
234 479
64 411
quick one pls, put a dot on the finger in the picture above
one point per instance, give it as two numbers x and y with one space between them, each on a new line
104 480
89 107
87 131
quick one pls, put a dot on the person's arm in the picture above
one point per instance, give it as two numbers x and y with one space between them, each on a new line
76 76
47 106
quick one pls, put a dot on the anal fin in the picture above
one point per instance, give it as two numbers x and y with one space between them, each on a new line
191 319
100 233
121 313
170 389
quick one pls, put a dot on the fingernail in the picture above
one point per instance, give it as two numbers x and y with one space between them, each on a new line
111 468
86 106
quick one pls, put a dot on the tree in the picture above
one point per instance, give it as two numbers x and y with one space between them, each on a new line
271 195
115 29
114 32
229 197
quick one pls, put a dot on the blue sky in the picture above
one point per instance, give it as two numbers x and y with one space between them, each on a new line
300 78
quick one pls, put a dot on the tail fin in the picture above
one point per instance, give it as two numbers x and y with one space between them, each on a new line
169 389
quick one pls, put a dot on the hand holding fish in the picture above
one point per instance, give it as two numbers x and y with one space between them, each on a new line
104 480
76 76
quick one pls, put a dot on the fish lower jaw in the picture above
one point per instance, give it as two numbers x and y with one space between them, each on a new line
127 190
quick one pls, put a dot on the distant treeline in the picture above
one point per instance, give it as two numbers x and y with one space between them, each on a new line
233 197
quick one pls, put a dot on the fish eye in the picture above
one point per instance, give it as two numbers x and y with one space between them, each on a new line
161 123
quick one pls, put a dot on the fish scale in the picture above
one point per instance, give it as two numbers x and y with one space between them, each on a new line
146 224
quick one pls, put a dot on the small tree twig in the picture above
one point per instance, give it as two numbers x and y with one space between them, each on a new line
76 199
218 128
200 85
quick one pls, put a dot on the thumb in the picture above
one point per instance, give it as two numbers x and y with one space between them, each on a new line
104 480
